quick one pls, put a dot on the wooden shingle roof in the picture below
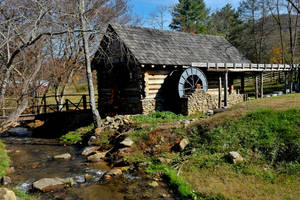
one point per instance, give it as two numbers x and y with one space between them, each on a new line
161 47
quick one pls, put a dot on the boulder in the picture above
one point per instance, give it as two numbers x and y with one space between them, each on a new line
5 180
182 144
89 150
235 157
127 142
97 156
6 194
50 184
65 156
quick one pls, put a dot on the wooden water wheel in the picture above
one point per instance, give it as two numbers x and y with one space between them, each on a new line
191 79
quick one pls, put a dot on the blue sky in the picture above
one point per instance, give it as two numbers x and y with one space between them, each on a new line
145 7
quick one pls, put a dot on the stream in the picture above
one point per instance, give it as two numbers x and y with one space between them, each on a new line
32 160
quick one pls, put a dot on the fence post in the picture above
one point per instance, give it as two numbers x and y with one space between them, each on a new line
67 104
84 102
220 91
256 86
45 104
226 89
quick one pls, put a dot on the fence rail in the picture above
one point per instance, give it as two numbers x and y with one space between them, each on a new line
48 104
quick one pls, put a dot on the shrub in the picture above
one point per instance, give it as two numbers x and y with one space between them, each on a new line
158 117
4 160
75 136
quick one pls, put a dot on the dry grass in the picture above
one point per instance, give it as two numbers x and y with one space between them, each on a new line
284 102
234 186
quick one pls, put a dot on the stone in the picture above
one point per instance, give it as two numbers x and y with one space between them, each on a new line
235 157
112 173
88 177
182 144
10 170
79 179
65 156
50 184
97 156
210 112
5 180
127 142
153 184
89 150
99 131
164 160
92 140
6 194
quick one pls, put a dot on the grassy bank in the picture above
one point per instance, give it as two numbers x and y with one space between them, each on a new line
265 132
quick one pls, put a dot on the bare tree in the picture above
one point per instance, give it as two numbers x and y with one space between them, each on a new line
158 17
96 115
295 4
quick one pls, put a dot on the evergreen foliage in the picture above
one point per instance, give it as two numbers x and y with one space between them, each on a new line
190 16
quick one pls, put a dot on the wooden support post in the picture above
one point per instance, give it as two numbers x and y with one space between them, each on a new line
243 83
256 86
226 89
285 83
291 82
262 85
45 104
84 102
220 91
67 104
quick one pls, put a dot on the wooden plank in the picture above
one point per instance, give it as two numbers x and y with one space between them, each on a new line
243 83
156 82
157 76
154 87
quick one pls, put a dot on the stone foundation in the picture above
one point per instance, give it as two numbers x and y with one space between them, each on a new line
201 101
151 105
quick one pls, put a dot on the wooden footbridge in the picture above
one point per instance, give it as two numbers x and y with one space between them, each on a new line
47 105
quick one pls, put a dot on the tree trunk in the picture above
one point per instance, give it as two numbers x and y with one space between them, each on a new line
96 116
13 117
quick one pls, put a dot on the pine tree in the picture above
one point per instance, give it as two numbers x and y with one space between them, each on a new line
225 22
190 16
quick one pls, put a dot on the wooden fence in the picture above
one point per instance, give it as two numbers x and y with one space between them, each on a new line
48 104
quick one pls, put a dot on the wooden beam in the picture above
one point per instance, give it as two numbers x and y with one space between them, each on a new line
262 85
220 90
243 83
226 89
256 86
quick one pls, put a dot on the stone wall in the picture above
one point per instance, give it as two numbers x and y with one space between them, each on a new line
201 101
151 105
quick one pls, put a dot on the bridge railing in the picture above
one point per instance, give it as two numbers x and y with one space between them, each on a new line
48 104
